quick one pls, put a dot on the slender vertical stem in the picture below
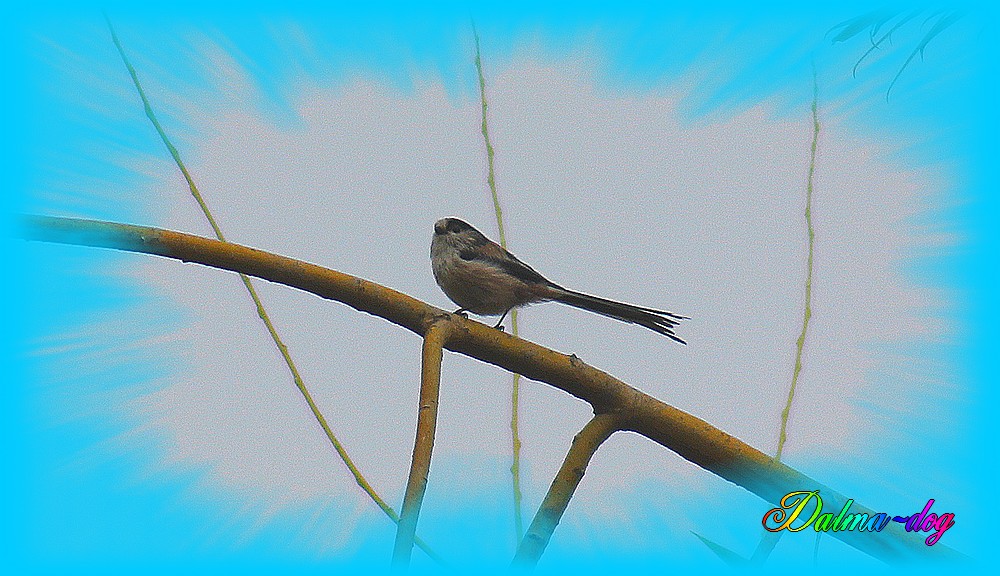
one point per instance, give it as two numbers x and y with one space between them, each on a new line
423 445
585 444
490 177
800 342
515 467
768 540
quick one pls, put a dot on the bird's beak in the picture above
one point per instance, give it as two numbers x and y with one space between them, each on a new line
440 227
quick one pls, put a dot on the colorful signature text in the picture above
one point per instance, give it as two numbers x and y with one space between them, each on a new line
789 516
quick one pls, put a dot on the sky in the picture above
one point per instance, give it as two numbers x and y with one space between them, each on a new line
657 158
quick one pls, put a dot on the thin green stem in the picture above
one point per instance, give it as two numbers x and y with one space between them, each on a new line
163 135
261 312
490 178
800 343
768 540
515 467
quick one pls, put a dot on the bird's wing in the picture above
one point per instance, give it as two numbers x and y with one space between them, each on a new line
494 255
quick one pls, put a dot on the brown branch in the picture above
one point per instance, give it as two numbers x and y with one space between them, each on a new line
692 438
585 444
430 386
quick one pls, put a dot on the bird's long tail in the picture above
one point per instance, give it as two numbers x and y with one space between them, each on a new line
655 320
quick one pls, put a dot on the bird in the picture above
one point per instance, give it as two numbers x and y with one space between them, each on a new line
484 278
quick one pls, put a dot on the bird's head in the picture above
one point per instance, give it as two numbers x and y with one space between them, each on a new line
446 226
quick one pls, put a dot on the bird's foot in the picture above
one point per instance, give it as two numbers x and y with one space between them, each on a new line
499 325
462 312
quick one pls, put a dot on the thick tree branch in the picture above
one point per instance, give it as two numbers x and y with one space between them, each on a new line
692 438
423 444
585 444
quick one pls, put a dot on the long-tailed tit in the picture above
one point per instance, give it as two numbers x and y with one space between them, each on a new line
483 278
